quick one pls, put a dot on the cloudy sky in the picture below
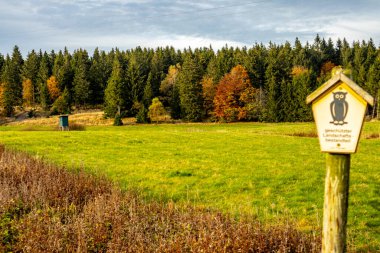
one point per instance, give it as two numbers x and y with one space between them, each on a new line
54 24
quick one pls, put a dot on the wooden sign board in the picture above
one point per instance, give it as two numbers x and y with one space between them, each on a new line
339 108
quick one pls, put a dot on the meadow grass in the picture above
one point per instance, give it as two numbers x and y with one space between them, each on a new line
265 170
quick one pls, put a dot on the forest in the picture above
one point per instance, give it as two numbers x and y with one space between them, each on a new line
261 83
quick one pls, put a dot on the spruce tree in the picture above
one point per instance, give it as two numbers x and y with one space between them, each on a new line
255 63
115 93
29 76
302 79
148 92
135 81
346 55
373 85
2 60
175 103
7 93
98 76
81 86
272 87
16 68
42 77
12 82
62 104
65 72
190 90
57 68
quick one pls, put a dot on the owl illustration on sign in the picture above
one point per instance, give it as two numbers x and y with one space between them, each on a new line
339 108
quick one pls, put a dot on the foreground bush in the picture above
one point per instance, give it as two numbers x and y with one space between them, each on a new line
48 209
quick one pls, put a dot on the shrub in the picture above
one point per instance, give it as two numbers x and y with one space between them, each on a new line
118 120
48 209
156 110
142 115
77 127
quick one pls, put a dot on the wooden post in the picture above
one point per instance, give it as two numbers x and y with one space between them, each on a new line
336 203
339 108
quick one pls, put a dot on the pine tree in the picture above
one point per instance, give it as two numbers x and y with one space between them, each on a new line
98 76
16 68
142 115
373 85
12 82
7 91
256 64
115 93
81 86
135 81
65 72
223 63
57 68
30 67
190 90
175 103
148 92
346 55
42 77
302 79
62 104
2 60
29 76
157 71
277 81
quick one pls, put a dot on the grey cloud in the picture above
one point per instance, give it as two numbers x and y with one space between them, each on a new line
54 24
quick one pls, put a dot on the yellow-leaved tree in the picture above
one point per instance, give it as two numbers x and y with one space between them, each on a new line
28 92
156 110
208 91
53 88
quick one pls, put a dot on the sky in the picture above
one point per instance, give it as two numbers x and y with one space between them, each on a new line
54 24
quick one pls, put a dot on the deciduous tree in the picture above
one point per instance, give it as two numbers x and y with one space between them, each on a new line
233 93
156 110
28 92
53 88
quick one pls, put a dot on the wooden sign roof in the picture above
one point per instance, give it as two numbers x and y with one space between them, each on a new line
339 77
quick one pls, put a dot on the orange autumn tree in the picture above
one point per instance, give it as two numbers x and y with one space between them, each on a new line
234 95
54 91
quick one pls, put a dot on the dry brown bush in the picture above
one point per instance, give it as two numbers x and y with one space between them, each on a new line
49 209
373 136
77 127
305 134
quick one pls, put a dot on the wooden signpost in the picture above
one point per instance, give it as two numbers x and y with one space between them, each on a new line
339 107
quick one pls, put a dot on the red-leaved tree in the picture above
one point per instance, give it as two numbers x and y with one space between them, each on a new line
234 96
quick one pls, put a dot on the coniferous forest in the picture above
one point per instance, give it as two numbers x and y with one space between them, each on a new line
260 83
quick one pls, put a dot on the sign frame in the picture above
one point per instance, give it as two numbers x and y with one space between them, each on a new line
360 99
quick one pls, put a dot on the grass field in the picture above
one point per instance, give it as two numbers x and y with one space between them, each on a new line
266 170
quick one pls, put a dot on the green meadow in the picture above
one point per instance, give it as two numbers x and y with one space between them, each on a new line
269 171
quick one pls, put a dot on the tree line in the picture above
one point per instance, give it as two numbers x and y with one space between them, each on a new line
261 83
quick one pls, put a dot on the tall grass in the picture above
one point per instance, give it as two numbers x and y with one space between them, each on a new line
48 209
